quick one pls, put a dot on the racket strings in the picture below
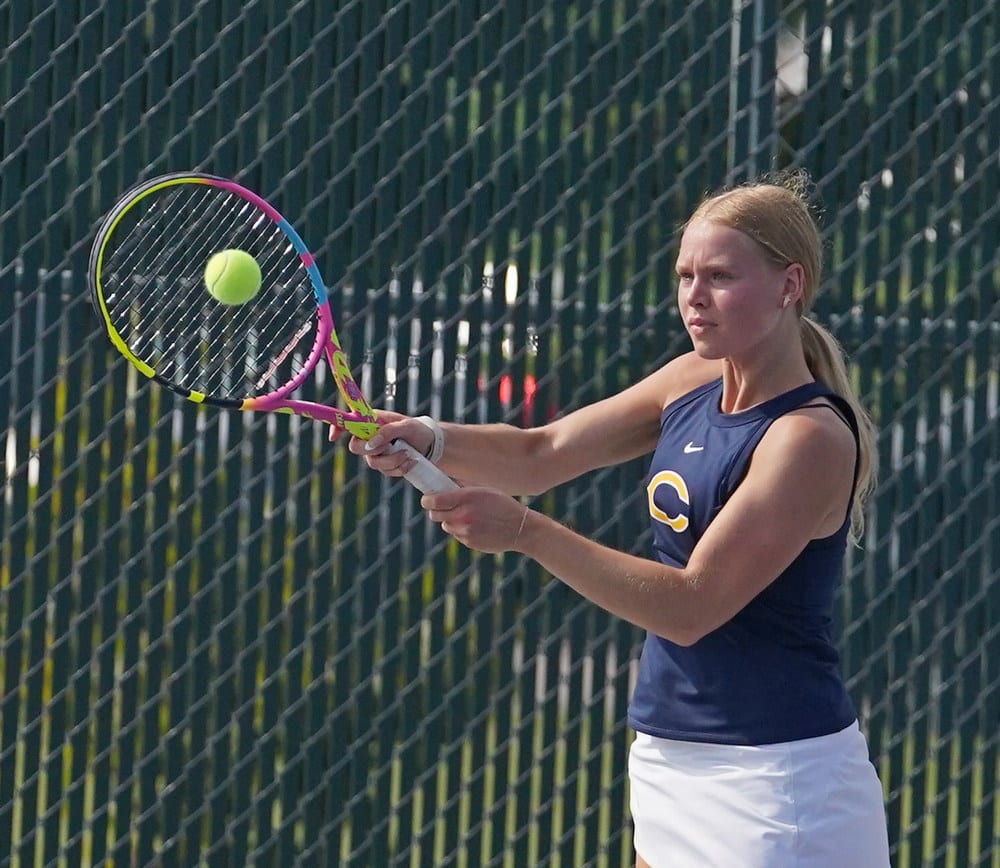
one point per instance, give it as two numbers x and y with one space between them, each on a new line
248 327
166 218
150 230
155 295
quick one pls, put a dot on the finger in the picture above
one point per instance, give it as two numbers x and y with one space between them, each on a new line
412 431
390 465
443 501
367 447
444 513
387 417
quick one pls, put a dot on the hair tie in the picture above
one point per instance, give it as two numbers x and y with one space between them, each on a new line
436 449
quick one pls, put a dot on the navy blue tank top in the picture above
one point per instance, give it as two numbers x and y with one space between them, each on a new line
771 673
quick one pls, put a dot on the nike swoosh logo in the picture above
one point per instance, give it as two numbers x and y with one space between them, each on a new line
690 447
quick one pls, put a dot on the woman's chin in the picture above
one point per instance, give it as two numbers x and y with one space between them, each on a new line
706 351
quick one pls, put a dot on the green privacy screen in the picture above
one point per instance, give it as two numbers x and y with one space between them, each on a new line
224 642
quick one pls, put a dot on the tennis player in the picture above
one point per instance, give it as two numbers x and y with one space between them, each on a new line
747 752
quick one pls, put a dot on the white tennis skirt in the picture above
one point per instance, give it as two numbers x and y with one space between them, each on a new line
815 803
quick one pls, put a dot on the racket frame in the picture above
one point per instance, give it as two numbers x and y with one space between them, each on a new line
359 420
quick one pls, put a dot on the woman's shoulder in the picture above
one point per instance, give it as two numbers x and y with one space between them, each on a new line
815 436
686 374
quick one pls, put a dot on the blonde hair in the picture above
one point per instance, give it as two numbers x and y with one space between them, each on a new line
775 212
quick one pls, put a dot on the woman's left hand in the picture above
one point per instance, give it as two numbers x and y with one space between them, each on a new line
483 519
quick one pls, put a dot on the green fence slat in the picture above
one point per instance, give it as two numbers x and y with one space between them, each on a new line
251 661
497 681
381 622
546 258
100 595
988 359
626 646
989 705
433 49
339 733
187 78
343 52
64 447
930 570
744 53
407 72
473 595
523 720
191 104
36 113
299 565
362 654
317 507
44 370
16 96
246 114
225 633
602 128
670 157
388 143
33 744
577 726
645 40
485 201
267 680
186 581
8 403
427 266
766 136
553 732
201 671
22 592
405 673
77 320
114 154
72 669
457 173
977 682
150 571
278 103
127 454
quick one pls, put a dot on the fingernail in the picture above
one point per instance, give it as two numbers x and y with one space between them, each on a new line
375 443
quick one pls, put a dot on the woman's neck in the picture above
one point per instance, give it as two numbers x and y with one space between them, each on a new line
749 382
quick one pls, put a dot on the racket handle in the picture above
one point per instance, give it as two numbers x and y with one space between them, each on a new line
425 477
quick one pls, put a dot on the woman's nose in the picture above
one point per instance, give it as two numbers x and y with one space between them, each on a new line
696 293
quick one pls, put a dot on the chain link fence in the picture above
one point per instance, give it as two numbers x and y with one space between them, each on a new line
223 642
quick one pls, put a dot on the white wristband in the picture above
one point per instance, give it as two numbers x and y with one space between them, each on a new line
437 445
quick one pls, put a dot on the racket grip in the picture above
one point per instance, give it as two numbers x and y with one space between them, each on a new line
425 477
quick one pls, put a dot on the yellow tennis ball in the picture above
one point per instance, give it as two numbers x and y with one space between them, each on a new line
232 276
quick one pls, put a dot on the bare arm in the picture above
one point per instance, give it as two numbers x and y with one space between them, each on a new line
533 460
796 489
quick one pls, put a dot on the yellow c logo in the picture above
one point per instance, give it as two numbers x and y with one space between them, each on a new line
677 523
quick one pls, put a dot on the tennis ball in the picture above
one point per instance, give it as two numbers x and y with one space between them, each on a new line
232 276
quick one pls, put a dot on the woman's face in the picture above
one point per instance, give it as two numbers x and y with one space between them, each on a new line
730 297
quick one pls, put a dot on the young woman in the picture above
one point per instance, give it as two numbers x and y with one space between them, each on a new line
747 749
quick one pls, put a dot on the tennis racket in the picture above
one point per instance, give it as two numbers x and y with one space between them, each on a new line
146 277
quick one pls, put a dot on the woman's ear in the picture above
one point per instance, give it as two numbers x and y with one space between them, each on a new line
795 277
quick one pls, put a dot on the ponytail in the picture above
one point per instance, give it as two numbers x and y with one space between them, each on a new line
826 362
